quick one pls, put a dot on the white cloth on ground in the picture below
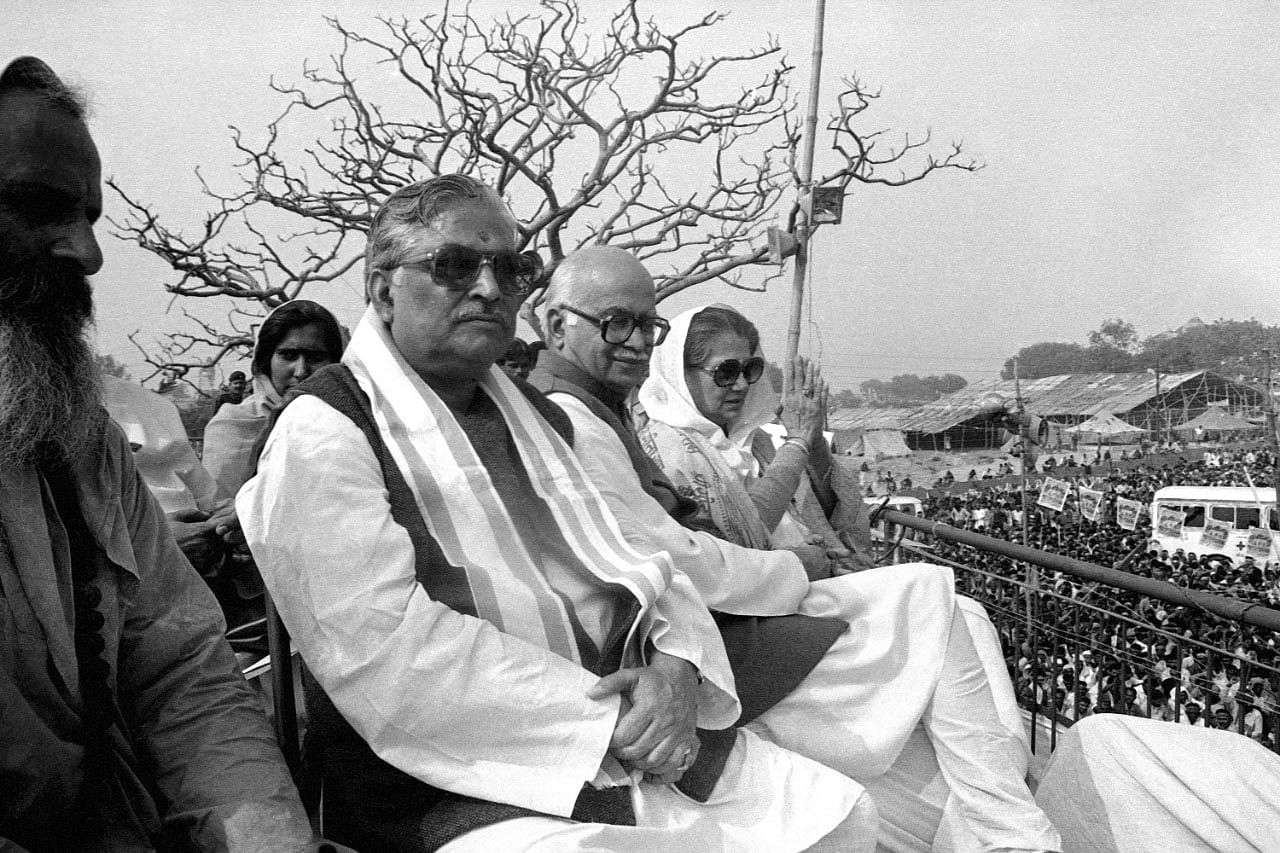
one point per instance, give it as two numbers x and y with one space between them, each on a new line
1119 784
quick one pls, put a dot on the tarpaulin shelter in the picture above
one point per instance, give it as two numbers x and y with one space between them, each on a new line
1216 422
1106 428
876 443
973 417
868 431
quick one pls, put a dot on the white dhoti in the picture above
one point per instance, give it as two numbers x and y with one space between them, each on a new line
1121 784
909 660
768 800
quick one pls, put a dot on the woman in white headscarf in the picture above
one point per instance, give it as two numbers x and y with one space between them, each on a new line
710 419
908 658
295 340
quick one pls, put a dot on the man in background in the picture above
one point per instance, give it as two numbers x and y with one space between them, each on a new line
232 392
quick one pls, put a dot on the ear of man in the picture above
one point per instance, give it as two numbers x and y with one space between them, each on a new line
379 290
556 319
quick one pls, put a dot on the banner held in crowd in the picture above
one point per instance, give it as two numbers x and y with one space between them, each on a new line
1215 534
1127 513
1259 544
1090 503
1169 522
1053 494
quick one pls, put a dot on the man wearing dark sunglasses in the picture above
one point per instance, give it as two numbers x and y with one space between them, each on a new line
459 284
487 668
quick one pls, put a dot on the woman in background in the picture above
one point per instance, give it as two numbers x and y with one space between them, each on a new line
296 340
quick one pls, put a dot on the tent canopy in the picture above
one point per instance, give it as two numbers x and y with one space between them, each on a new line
1106 425
879 443
1216 420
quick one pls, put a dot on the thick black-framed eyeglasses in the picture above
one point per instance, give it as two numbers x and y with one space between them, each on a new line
457 267
726 373
616 327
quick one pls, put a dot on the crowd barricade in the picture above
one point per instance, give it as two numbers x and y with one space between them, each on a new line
1070 629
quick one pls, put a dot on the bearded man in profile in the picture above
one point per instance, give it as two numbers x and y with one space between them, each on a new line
124 721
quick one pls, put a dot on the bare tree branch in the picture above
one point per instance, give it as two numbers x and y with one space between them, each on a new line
623 135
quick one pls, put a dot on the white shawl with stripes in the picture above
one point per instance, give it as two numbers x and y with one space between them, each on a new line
466 516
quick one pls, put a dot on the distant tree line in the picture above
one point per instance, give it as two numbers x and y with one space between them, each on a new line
906 389
1231 347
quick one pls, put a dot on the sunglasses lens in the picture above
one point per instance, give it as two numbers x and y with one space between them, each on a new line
726 373
753 370
516 272
456 266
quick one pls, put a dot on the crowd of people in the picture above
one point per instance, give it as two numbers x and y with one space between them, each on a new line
1154 659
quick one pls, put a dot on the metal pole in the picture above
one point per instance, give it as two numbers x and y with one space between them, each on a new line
1033 573
1272 437
806 179
1159 405
1026 448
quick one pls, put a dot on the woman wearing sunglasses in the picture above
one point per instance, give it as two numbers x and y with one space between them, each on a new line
908 667
707 404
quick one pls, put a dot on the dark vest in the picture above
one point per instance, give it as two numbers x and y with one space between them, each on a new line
769 655
371 805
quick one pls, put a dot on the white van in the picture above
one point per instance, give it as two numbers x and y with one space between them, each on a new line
1238 509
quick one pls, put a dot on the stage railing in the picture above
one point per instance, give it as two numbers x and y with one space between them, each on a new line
1080 638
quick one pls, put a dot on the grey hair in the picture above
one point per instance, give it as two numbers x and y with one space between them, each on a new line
414 207
28 74
708 324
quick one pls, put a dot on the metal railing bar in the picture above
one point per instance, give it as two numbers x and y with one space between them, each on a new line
1237 611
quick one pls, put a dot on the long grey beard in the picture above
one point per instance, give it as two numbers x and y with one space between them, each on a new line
49 391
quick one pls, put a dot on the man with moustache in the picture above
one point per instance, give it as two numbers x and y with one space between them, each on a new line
124 721
494 667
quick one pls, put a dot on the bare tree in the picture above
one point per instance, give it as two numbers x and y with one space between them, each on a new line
616 137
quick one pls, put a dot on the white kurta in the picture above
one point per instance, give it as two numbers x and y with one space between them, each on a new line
448 698
730 578
876 686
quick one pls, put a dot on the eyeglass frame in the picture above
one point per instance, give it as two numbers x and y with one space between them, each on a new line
637 322
740 370
426 264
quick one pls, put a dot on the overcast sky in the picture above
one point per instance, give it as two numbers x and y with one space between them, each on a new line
1131 155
